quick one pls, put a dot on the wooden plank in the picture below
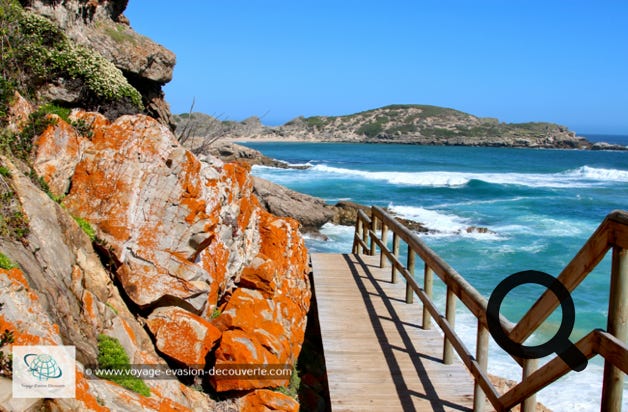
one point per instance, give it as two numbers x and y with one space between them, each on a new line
376 354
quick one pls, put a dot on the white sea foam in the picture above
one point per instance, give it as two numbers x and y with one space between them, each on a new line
439 179
584 176
593 173
443 223
432 219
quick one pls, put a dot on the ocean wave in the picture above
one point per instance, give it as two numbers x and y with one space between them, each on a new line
584 176
307 164
432 219
442 223
594 173
443 179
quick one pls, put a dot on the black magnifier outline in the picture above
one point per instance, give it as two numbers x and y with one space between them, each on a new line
559 343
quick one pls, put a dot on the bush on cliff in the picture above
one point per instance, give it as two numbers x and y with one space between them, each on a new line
115 366
35 51
6 263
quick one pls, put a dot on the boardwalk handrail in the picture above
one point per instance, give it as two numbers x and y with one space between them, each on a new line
610 343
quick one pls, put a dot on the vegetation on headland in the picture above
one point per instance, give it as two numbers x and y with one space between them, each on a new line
401 123
433 125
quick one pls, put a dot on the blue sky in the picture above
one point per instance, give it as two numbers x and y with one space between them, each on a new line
563 61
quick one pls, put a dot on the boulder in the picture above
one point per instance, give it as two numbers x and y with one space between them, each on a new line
182 335
267 326
24 313
185 236
346 213
61 294
310 211
231 152
263 400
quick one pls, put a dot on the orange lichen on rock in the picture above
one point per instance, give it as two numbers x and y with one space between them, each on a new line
19 111
187 232
182 335
22 312
83 394
89 306
15 275
263 400
214 260
260 276
258 331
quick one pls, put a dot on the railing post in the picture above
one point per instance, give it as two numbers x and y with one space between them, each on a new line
357 249
394 277
410 265
613 384
365 236
373 229
428 282
382 256
529 366
450 315
481 354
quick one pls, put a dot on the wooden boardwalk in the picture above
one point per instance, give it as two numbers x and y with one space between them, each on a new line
377 356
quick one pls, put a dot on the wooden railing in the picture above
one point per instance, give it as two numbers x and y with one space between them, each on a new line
609 343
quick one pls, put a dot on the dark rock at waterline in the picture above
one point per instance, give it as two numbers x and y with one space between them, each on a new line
346 213
310 211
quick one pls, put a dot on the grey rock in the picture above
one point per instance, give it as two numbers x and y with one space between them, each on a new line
310 211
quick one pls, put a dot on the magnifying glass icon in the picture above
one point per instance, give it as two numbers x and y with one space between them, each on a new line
559 343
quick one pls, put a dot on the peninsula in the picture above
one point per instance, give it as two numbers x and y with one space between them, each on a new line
401 123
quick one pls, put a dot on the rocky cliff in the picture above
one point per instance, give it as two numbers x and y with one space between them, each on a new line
111 231
185 266
408 124
94 33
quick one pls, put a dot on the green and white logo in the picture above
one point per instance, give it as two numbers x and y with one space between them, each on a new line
44 371
42 366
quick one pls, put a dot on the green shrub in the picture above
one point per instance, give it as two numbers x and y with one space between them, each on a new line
13 223
87 228
370 129
215 313
62 112
6 263
7 91
293 386
37 51
112 357
315 122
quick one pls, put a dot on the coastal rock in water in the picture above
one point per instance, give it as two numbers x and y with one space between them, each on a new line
476 229
346 213
232 152
607 146
311 212
182 335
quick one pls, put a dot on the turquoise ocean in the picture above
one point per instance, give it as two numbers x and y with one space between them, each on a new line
539 206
